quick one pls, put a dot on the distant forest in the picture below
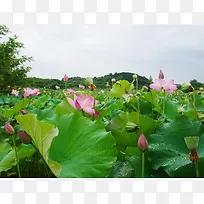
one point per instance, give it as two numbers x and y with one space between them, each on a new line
100 82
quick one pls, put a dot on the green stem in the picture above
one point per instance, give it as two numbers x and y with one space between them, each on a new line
197 169
65 84
17 161
137 84
83 113
138 109
152 102
143 161
164 101
46 167
194 105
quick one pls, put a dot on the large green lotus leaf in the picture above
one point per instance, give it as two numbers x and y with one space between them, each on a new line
4 100
64 107
16 109
123 87
145 106
41 100
47 115
112 105
7 155
121 169
83 148
199 104
42 134
118 128
168 148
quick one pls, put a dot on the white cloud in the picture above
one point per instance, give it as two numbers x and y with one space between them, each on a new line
96 50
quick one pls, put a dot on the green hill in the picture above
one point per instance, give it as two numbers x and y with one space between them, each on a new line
74 82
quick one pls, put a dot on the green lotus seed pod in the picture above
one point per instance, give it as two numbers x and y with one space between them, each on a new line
186 87
131 127
192 142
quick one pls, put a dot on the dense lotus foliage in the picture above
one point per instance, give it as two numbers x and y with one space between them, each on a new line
118 132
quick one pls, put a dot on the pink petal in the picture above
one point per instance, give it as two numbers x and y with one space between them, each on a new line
71 102
89 110
77 105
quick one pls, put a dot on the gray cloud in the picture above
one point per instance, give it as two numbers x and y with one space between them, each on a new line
96 50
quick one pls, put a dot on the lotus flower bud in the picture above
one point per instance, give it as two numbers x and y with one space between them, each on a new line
9 129
118 83
150 79
65 78
131 127
24 137
113 80
88 81
142 143
192 142
134 77
144 88
161 75
23 112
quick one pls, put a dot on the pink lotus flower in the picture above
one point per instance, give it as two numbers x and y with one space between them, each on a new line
157 85
29 91
85 103
15 92
35 92
169 87
81 86
57 87
142 143
161 75
70 91
14 86
65 78
160 84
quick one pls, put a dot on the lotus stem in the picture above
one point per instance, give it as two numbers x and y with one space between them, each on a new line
138 109
46 166
164 101
143 163
197 169
194 105
16 155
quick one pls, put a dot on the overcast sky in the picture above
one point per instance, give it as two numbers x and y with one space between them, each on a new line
95 50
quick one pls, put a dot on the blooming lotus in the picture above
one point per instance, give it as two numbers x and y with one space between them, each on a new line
157 85
57 87
160 84
169 87
65 78
35 92
15 92
29 91
70 91
81 86
85 103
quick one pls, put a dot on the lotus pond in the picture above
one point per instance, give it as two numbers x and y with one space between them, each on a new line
118 132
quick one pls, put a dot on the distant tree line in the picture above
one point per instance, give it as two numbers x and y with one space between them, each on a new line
74 82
